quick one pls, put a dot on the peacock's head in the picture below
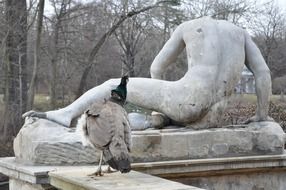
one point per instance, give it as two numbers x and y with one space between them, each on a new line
124 79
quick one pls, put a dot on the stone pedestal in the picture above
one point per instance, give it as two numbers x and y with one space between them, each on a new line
193 156
42 142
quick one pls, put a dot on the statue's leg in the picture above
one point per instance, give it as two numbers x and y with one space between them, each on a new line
158 95
144 92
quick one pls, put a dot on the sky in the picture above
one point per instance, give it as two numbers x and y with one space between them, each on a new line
49 9
282 3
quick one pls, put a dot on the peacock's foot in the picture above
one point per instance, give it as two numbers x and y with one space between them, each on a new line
98 172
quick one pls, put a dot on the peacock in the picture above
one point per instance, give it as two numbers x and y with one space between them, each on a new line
105 125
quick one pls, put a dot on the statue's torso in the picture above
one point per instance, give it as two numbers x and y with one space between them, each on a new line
216 55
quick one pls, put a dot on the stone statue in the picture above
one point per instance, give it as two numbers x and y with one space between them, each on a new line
216 51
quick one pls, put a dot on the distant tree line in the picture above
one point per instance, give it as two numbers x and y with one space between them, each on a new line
75 46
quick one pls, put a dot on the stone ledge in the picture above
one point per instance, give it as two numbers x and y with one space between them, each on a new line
75 177
213 166
32 174
39 174
79 179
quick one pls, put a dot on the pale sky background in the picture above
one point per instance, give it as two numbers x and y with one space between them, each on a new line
281 3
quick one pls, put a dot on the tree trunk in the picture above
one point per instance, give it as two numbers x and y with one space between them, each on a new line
54 66
15 67
31 91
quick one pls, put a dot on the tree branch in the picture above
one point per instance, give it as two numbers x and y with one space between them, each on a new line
106 35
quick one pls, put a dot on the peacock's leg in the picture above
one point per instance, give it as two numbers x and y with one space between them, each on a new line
98 172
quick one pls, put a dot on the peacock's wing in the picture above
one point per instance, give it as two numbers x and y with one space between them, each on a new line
120 141
100 125
127 132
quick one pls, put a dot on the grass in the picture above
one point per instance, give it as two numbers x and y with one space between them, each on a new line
251 98
243 106
42 102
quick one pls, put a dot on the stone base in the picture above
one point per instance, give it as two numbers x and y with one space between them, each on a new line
236 173
43 142
15 184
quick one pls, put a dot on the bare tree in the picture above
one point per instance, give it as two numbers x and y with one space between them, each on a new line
235 11
131 35
105 36
60 14
268 28
31 90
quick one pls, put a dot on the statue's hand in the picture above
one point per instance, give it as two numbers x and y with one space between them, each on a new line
258 119
33 113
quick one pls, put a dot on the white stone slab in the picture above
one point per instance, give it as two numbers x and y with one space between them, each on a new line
79 179
28 173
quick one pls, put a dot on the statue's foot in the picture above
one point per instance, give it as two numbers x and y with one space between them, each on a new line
33 113
42 115
257 119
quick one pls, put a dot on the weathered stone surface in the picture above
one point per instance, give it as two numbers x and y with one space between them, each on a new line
44 142
255 139
243 181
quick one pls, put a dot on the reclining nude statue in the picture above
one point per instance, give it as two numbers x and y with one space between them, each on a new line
216 52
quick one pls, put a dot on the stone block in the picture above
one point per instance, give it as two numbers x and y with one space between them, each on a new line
42 142
15 184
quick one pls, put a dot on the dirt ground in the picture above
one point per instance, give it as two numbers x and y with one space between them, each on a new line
244 107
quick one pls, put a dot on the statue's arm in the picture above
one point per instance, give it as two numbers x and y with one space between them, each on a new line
168 54
256 64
